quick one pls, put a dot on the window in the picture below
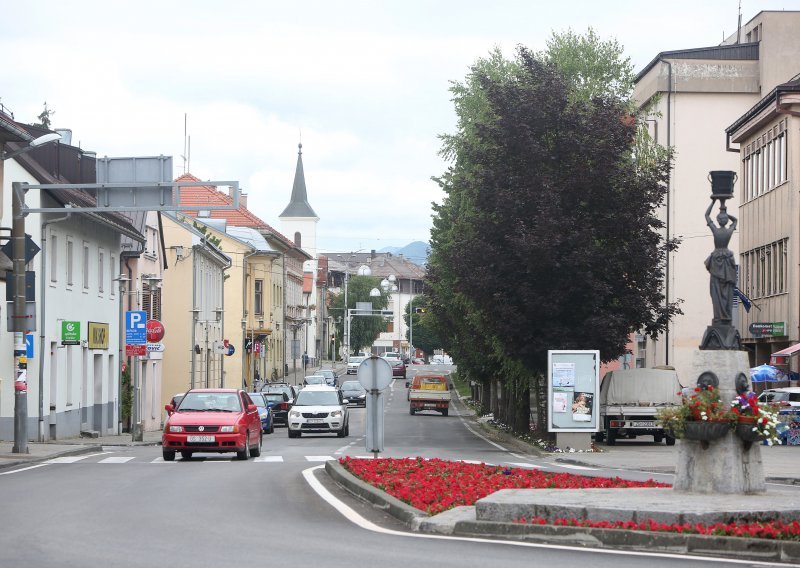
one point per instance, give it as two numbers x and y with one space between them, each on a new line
85 265
258 301
53 258
70 262
101 271
764 163
111 276
641 351
765 270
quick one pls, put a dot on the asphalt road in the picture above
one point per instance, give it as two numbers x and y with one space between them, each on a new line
126 507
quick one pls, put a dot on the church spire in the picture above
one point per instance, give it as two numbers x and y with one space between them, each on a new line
298 205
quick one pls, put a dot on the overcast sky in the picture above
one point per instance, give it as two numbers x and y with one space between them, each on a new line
364 83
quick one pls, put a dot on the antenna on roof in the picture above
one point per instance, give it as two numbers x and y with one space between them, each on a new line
187 145
739 28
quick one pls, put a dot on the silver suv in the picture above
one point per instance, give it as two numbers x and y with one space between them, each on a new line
319 409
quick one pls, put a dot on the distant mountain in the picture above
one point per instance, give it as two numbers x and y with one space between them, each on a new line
416 252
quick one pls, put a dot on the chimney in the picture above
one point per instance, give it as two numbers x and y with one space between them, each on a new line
242 197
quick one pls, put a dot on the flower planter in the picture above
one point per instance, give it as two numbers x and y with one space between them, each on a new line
706 430
745 430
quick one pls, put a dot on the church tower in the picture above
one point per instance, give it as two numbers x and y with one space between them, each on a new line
299 223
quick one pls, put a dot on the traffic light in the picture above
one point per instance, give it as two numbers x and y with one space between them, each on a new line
420 310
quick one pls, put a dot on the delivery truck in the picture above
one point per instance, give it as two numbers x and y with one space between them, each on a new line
429 392
630 400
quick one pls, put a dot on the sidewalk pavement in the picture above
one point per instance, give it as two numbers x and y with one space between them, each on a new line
39 452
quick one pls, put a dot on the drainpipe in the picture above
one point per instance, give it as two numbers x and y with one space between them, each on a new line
42 320
669 201
244 313
195 314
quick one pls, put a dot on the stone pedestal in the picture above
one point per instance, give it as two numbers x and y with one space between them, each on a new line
726 465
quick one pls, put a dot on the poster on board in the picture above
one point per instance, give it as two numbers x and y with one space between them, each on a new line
561 400
564 374
582 406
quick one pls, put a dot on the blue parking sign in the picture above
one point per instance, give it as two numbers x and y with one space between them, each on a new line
136 327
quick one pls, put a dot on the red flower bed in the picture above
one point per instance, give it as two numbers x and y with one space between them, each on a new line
767 529
436 485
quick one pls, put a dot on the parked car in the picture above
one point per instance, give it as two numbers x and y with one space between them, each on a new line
353 363
330 376
319 409
354 392
786 396
212 420
314 380
264 412
280 403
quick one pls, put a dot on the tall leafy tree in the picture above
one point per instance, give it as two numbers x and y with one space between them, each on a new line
425 336
549 228
364 330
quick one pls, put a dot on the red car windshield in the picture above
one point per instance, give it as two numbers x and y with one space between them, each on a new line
211 402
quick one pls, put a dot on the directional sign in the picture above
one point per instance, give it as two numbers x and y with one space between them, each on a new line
136 327
29 345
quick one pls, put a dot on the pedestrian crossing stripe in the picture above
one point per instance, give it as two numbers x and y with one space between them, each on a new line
318 458
269 459
117 459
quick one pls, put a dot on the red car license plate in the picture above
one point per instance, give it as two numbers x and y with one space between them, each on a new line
200 439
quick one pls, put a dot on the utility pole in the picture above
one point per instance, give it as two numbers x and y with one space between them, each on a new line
20 320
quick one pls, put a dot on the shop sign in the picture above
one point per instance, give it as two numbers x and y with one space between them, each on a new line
70 333
98 335
767 329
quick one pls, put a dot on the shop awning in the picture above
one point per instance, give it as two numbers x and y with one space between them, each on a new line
792 350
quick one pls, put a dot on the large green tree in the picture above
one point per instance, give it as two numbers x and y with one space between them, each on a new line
417 318
364 330
548 233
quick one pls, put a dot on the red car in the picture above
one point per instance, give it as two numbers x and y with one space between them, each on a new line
398 367
212 420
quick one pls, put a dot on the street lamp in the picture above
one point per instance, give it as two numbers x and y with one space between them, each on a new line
123 281
388 284
19 317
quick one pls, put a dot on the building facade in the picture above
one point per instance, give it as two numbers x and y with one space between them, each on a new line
693 96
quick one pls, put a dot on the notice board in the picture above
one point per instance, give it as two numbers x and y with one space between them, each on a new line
573 391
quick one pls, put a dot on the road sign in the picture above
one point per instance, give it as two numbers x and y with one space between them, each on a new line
70 333
135 327
31 248
374 373
29 345
135 350
154 331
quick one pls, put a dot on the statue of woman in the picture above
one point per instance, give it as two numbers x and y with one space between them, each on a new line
721 264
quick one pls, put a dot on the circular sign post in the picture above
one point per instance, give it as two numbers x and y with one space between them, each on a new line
374 374
155 331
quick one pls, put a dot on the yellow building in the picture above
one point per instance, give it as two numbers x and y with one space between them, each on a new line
192 309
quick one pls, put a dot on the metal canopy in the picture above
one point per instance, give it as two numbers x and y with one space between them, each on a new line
146 196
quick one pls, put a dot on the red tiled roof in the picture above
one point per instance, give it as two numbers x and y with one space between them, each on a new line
205 195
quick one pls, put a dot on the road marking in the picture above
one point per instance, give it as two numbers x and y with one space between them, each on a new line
23 469
319 458
161 460
272 459
352 516
117 459
73 459
573 466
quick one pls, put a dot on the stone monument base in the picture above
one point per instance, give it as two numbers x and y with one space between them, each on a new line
726 465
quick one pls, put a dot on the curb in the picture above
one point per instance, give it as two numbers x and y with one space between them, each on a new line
783 551
399 510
